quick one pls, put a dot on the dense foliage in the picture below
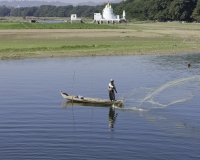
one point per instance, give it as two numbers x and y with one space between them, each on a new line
161 10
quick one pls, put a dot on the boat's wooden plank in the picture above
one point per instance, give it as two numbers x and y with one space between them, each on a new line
90 100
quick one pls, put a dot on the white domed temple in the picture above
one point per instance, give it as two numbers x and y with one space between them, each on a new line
108 12
108 16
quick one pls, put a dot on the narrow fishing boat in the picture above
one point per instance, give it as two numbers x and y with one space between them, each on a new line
91 100
70 103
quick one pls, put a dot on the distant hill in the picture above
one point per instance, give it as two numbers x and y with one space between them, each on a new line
16 4
90 3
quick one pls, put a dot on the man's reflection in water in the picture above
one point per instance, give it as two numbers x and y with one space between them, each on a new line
112 116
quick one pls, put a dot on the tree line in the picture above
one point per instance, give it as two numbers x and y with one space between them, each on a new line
160 10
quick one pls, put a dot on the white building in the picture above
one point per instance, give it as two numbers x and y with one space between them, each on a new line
75 19
108 16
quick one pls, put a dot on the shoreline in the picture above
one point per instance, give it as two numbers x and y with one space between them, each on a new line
19 57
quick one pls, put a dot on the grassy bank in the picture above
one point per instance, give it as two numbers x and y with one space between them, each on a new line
26 25
133 39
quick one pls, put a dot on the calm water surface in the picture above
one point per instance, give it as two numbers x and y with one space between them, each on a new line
50 21
37 123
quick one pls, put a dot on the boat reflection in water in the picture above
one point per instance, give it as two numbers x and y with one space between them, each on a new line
111 116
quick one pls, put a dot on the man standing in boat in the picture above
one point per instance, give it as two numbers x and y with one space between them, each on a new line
111 89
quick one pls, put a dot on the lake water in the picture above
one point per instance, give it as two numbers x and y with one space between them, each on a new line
50 21
159 119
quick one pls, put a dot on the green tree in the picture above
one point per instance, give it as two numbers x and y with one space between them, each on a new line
159 10
182 9
196 12
29 11
4 11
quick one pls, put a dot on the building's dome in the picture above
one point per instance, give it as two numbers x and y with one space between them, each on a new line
108 12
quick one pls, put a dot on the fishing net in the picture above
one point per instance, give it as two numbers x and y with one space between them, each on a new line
180 90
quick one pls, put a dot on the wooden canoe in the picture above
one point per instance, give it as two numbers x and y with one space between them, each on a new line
70 104
91 100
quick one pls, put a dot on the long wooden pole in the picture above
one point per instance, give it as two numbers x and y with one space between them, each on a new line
91 84
73 87
92 93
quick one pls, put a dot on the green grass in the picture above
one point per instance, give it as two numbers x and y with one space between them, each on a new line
46 43
26 25
90 48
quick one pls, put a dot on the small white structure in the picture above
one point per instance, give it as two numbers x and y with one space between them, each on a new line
108 16
75 19
124 15
97 16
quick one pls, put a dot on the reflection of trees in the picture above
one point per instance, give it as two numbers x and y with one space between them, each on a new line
112 117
